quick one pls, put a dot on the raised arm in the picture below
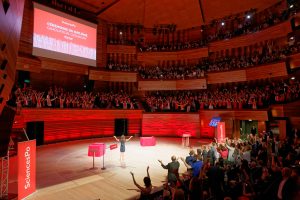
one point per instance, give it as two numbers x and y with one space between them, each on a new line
129 138
148 172
144 190
116 139
164 166
187 165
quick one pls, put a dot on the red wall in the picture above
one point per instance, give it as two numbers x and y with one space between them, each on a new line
171 124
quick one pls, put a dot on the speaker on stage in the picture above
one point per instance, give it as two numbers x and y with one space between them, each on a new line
121 127
35 130
6 123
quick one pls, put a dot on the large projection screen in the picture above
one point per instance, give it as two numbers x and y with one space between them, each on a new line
60 36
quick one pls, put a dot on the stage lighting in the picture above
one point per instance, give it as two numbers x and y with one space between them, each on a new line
291 38
293 78
292 5
248 16
121 33
223 23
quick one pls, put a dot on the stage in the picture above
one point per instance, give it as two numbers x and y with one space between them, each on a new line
64 169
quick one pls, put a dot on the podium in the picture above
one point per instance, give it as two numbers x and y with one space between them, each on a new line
186 140
96 150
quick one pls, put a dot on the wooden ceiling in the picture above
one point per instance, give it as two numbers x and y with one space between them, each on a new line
183 13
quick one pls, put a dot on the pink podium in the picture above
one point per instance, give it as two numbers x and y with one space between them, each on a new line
147 141
96 150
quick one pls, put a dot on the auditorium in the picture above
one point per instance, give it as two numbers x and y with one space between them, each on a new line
150 99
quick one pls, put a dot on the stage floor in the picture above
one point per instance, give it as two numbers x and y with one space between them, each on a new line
64 169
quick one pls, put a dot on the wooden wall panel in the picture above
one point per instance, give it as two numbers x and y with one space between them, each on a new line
113 76
45 114
172 125
156 85
69 124
11 23
26 63
276 31
57 65
121 49
101 44
26 39
150 58
294 61
267 71
192 84
226 77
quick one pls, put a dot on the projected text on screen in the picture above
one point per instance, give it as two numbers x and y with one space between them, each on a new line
58 34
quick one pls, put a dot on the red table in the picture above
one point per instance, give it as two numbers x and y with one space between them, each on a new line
147 141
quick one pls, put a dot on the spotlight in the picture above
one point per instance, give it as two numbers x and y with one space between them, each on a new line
223 23
293 78
248 16
250 120
121 32
292 5
292 38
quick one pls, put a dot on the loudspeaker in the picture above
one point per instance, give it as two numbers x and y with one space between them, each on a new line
6 123
35 130
121 127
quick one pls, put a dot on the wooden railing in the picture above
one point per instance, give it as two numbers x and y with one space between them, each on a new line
277 31
153 58
121 49
116 76
192 84
248 74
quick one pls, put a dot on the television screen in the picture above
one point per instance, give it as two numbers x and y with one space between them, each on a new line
60 36
214 121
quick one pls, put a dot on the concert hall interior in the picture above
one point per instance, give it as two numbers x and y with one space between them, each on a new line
150 99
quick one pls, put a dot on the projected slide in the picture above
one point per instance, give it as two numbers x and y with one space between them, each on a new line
63 37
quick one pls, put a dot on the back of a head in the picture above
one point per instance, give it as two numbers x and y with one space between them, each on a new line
192 152
173 158
147 181
179 194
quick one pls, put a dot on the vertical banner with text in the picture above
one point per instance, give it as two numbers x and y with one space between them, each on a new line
221 134
26 168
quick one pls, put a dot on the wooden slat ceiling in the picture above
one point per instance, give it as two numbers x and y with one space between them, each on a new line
183 13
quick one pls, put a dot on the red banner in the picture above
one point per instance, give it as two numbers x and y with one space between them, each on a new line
26 168
221 134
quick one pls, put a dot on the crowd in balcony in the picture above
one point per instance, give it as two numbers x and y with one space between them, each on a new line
268 53
58 97
263 55
238 97
250 22
173 47
259 167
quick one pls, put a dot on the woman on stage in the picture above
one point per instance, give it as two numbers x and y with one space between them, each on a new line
122 141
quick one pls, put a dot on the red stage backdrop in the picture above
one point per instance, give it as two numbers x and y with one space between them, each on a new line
26 168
